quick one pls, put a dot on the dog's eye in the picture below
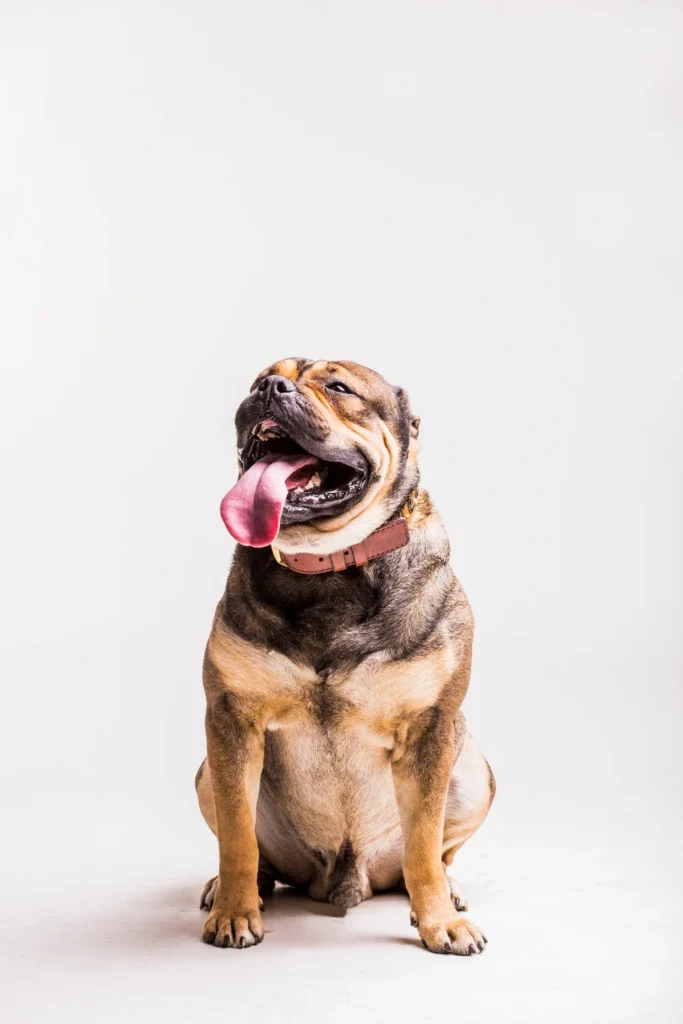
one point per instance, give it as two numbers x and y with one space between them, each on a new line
339 387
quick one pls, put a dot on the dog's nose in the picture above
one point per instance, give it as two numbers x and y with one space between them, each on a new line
275 385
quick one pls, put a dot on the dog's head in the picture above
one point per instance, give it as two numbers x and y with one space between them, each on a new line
327 453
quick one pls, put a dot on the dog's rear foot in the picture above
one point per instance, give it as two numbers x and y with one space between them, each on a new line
457 895
208 894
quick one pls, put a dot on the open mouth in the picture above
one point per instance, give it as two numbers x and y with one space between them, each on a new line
327 483
284 482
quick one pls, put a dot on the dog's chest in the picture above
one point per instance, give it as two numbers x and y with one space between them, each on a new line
377 697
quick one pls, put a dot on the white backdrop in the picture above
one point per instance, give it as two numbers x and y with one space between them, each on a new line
484 203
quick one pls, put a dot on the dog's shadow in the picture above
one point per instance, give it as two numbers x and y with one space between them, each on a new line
160 918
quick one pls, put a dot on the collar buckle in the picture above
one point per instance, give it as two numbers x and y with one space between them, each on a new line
276 555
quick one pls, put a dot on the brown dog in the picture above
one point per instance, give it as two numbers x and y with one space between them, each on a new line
338 758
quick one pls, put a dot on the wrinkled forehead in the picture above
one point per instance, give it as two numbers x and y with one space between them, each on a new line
367 384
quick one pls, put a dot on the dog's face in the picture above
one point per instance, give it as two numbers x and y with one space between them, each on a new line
349 440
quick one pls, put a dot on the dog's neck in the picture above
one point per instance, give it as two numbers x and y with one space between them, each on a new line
335 618
388 537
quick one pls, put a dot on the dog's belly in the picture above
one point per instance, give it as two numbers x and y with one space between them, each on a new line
327 809
327 812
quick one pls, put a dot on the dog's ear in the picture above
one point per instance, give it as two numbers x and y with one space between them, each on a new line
404 405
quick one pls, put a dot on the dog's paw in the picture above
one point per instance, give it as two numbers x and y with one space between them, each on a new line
457 895
238 929
449 934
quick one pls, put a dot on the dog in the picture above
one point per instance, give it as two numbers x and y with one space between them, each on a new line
338 760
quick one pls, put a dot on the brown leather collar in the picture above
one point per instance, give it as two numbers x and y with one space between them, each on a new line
390 537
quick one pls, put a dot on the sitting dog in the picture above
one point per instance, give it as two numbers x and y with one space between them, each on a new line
338 760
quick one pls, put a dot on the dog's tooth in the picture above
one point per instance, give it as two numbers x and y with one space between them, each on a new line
264 433
313 482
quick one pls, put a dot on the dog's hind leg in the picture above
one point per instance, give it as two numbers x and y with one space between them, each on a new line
202 783
470 793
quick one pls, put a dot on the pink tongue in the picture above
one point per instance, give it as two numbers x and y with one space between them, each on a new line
252 509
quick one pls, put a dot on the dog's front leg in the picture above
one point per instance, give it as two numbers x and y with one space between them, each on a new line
421 776
235 753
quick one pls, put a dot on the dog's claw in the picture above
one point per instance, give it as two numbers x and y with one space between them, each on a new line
451 935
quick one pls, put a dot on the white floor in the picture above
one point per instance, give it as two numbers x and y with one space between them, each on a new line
100 923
